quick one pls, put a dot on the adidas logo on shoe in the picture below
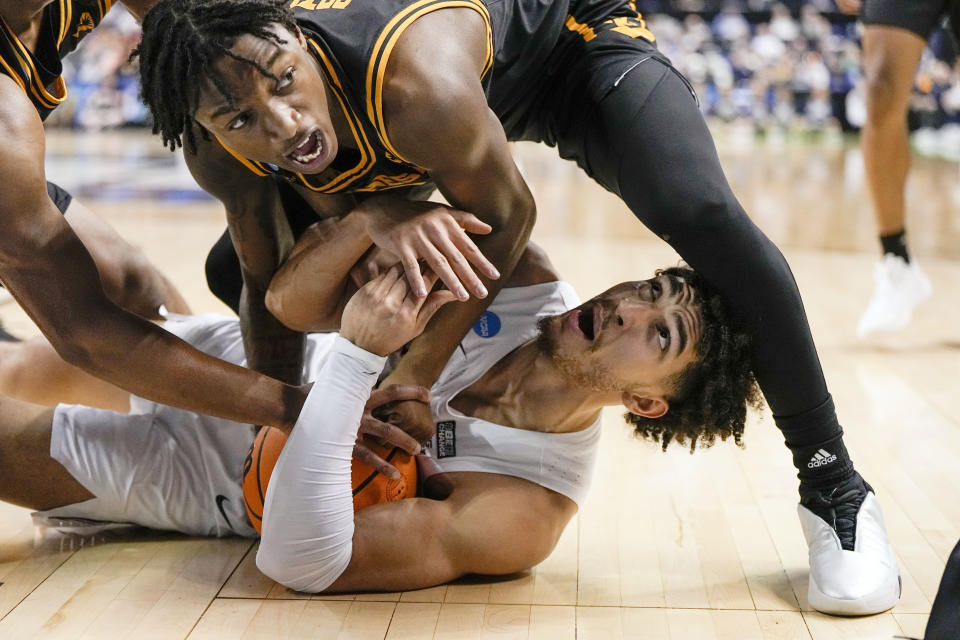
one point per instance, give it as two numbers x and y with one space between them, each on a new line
821 458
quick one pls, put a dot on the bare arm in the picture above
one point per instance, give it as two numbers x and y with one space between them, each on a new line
262 239
452 133
311 289
327 264
49 271
499 525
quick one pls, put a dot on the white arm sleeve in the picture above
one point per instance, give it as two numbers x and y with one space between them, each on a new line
307 537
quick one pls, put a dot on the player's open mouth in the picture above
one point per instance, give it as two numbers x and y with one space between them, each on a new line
309 150
586 320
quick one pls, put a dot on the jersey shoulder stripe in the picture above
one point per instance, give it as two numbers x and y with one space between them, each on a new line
38 72
387 40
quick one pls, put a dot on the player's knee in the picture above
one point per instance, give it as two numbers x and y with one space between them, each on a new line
885 95
693 216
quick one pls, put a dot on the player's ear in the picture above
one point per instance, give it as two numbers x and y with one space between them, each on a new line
301 39
646 405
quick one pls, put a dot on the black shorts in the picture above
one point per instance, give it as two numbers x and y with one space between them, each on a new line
60 196
918 16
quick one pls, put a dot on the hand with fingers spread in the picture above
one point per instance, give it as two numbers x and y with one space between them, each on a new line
384 315
434 233
385 432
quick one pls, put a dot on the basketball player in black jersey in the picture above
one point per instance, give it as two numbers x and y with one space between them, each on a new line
58 266
317 104
34 36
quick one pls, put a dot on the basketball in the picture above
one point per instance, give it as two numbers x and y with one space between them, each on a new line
369 486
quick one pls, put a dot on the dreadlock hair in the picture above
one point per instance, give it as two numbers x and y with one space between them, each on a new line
711 395
182 39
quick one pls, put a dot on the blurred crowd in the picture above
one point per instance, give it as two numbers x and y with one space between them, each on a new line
789 66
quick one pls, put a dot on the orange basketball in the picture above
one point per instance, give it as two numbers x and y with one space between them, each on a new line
369 486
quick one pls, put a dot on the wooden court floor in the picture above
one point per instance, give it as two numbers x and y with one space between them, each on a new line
703 546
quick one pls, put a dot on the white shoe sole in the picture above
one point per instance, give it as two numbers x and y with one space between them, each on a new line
877 602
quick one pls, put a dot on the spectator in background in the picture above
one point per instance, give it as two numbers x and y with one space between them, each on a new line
703 37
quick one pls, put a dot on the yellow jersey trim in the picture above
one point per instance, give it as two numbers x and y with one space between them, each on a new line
63 26
380 55
367 156
13 74
39 92
66 19
249 164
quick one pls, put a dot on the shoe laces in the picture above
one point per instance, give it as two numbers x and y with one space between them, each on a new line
838 506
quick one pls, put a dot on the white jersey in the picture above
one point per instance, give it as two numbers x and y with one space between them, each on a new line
167 468
561 462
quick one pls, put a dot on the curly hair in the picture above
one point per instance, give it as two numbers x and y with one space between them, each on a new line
182 39
711 396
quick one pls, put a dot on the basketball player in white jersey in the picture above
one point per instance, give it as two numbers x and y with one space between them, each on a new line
518 409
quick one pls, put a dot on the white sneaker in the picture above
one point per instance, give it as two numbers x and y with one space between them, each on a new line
898 287
5 296
860 582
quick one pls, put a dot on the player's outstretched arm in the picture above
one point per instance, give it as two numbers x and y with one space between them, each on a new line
308 513
51 274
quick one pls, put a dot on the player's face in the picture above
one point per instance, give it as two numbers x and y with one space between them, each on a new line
282 120
637 335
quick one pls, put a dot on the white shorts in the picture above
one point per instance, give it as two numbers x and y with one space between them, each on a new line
157 466
167 469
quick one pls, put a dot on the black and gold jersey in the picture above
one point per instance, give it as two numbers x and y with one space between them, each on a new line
65 24
353 39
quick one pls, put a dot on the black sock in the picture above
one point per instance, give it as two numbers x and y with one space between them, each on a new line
816 441
895 243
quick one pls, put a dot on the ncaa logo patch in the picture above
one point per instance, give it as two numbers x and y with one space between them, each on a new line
488 325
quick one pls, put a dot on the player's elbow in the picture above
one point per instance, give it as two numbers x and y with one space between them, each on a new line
312 571
298 316
524 212
276 304
76 344
515 216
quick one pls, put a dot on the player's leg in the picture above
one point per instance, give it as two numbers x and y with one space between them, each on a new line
944 622
32 371
31 477
893 39
129 279
648 142
890 58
